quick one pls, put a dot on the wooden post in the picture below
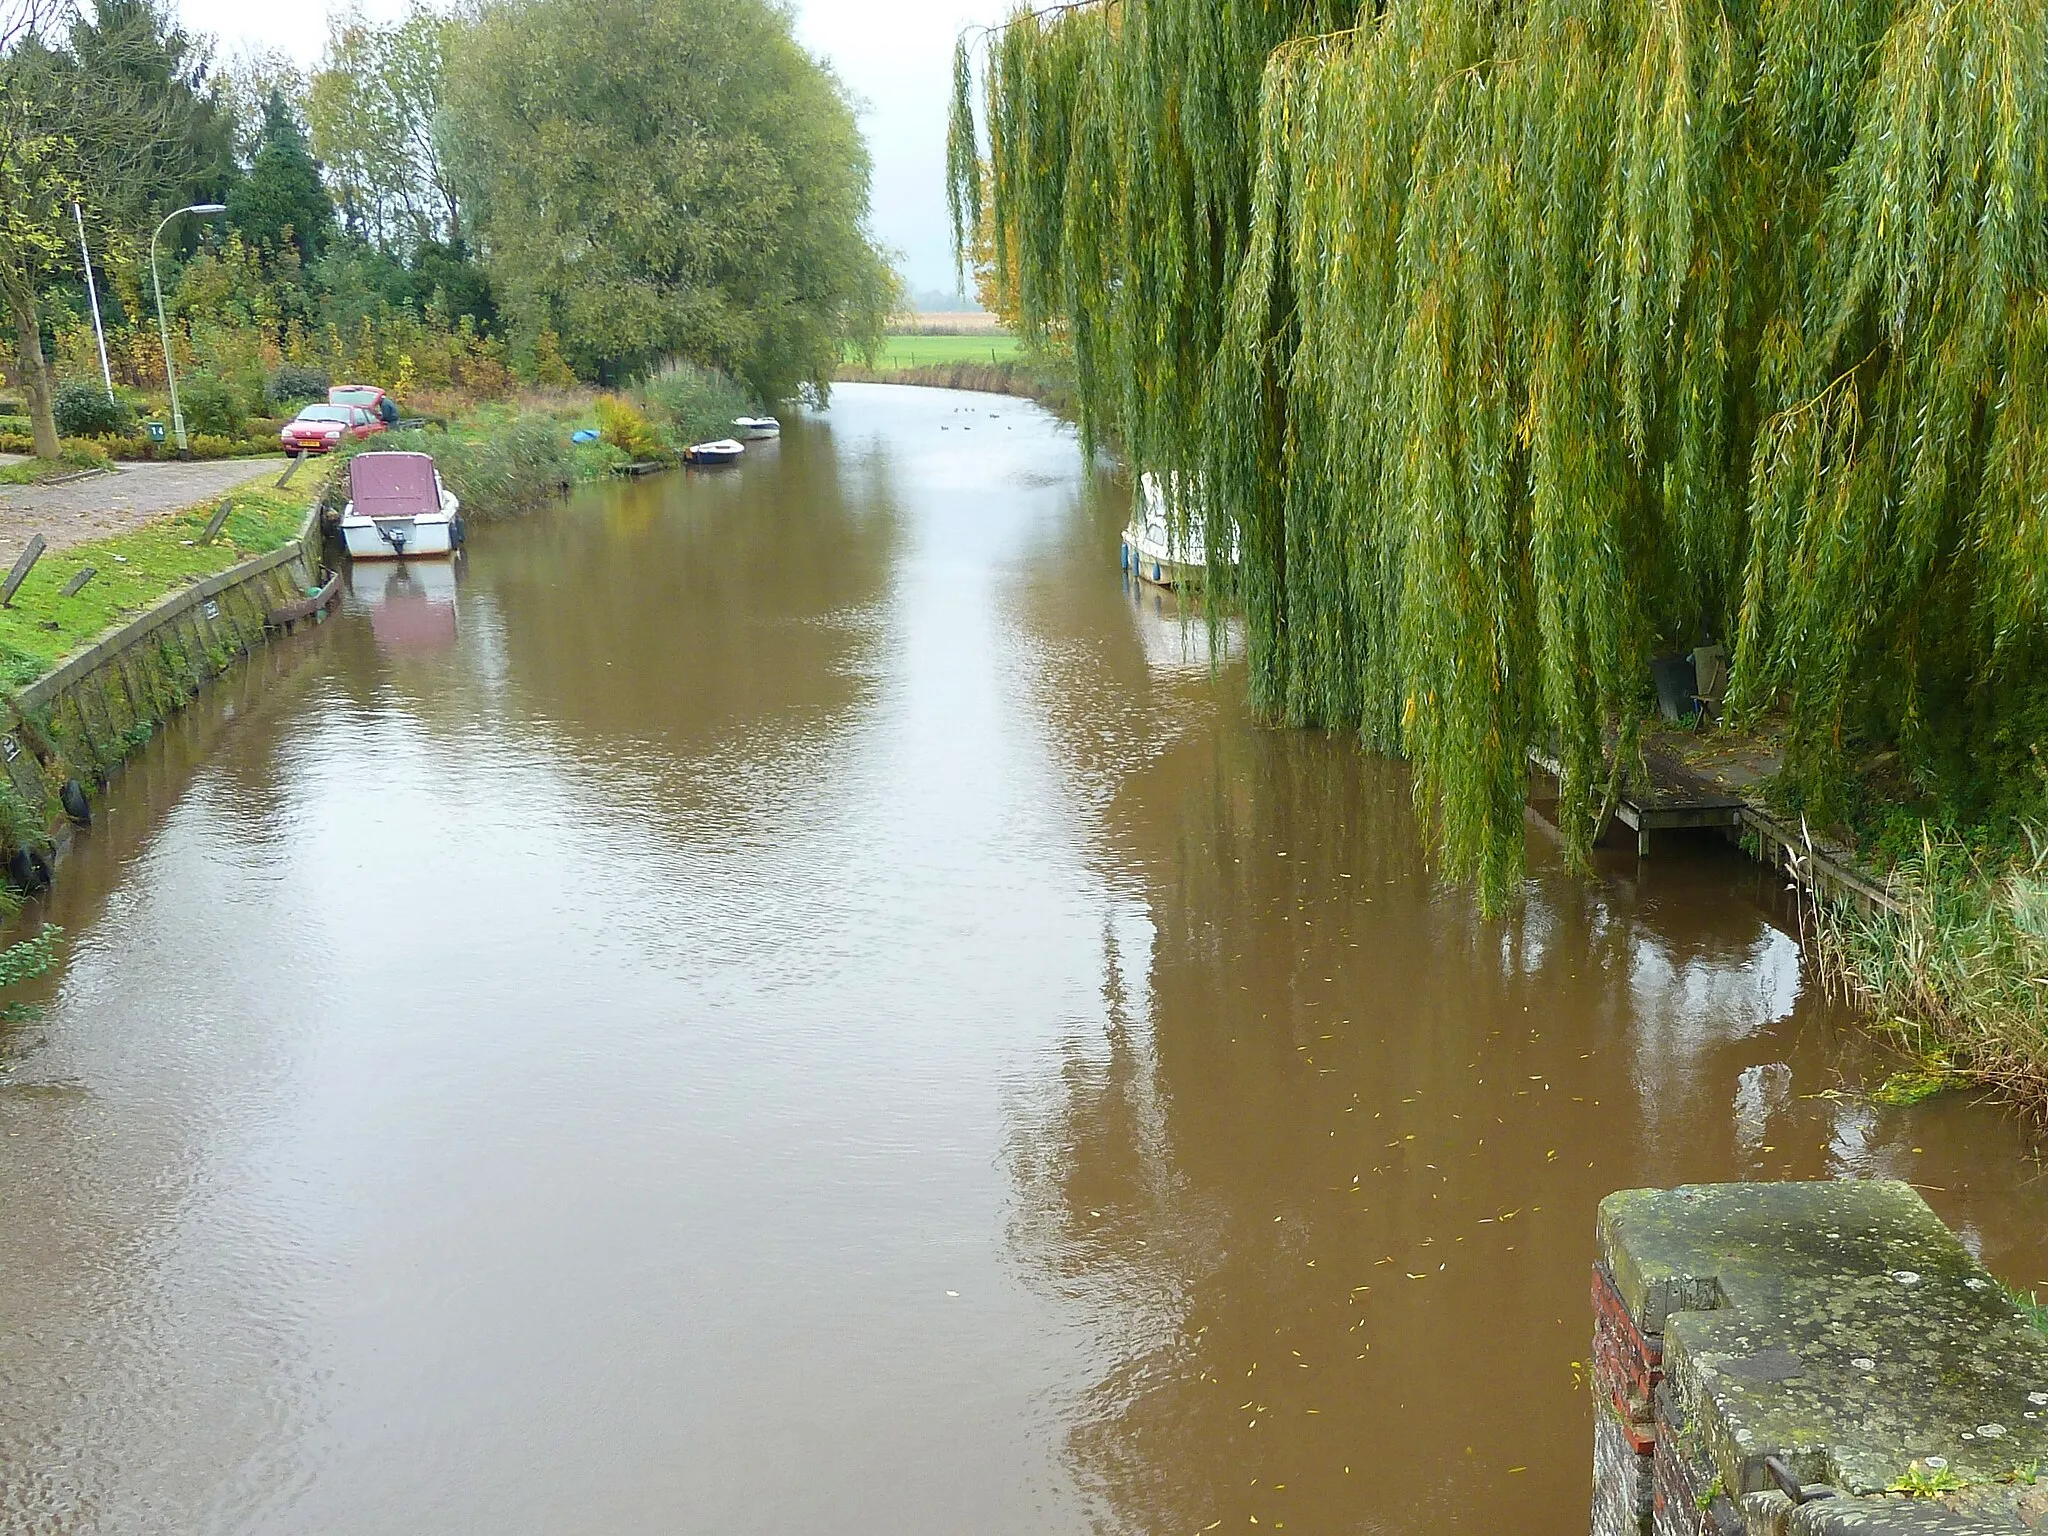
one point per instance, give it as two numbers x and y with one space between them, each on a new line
220 516
71 587
22 567
291 468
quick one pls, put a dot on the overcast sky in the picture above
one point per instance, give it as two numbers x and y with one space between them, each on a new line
895 55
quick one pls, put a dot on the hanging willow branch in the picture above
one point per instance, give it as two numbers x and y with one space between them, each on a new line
1509 346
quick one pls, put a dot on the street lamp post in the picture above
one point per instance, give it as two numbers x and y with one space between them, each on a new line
163 326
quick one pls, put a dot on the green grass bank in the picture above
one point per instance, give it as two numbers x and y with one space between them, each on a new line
135 569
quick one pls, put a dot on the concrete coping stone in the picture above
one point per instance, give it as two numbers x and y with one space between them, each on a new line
1776 1515
1842 1327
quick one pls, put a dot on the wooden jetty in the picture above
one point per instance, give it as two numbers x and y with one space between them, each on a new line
1673 796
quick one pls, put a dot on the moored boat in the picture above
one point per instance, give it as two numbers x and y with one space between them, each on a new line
398 509
1153 551
707 455
754 428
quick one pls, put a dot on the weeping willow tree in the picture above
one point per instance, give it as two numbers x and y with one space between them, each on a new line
1509 344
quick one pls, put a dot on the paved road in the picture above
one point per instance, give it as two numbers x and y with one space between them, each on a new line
104 504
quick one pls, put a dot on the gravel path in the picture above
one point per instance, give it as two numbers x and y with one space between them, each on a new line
131 496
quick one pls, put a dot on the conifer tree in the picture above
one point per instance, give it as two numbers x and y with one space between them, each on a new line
282 200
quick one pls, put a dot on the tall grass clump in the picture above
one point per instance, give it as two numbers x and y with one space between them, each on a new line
692 404
2030 1307
513 468
1961 969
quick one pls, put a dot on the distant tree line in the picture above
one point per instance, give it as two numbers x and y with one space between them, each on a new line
537 188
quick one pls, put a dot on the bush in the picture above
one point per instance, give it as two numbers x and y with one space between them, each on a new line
212 407
83 410
291 386
82 453
620 423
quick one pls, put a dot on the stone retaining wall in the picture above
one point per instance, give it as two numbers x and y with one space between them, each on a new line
1805 1359
83 718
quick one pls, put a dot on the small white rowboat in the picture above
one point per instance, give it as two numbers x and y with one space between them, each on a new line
706 455
754 428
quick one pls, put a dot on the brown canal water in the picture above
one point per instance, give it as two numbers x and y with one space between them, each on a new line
801 1004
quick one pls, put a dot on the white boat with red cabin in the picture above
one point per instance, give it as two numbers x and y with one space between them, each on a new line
398 509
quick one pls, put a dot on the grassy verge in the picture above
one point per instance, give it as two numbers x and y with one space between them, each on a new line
135 569
689 405
79 456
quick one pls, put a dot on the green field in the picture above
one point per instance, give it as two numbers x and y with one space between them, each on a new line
938 351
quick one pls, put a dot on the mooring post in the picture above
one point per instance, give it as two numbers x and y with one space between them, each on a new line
216 522
77 582
1808 1360
22 566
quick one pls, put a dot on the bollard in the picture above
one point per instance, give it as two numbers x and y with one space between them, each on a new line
1809 1360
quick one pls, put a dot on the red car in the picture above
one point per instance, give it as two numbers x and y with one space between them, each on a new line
321 428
